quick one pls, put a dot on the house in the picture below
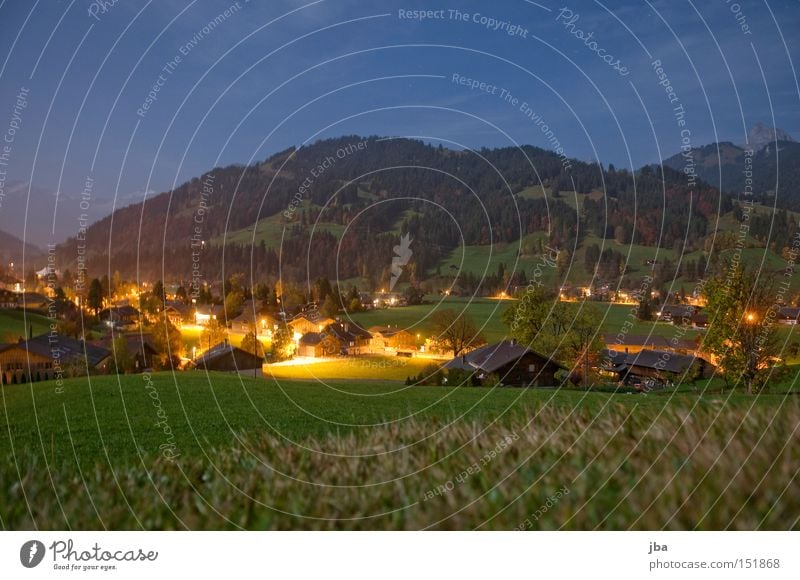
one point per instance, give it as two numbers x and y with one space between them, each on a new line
354 339
249 320
207 312
32 300
140 347
660 365
677 313
512 363
226 357
633 343
119 316
305 323
386 338
177 313
44 358
788 315
319 345
700 320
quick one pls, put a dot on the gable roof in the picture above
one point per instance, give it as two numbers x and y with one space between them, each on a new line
348 331
494 356
652 359
218 351
68 349
387 331
679 310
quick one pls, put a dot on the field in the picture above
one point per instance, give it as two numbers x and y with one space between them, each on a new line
486 313
260 454
352 368
15 324
417 319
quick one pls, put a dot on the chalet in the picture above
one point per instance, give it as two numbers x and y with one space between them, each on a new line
700 320
249 320
353 338
512 363
140 347
318 345
677 313
226 357
660 365
119 316
177 313
305 323
386 338
633 343
32 300
788 315
44 357
207 312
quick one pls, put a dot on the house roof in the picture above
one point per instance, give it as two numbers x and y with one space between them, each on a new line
386 330
218 351
300 318
789 313
653 359
116 312
69 349
347 331
493 357
680 310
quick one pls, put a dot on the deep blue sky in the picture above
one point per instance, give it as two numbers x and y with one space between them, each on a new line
229 99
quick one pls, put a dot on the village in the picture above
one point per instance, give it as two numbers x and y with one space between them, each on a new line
274 332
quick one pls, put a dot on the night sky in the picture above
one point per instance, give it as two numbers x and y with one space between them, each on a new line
235 82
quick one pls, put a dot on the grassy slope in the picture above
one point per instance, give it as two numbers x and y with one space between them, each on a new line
354 368
14 323
417 319
616 454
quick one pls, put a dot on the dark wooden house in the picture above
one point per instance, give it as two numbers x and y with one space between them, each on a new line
512 363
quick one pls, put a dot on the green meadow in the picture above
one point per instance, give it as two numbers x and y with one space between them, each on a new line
265 454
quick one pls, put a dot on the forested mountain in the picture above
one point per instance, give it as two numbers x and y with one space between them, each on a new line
11 250
338 207
774 167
